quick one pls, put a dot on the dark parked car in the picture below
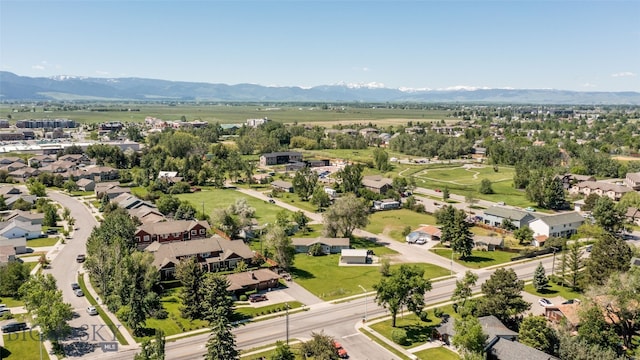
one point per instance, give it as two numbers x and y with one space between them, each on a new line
75 286
13 327
81 258
272 201
257 297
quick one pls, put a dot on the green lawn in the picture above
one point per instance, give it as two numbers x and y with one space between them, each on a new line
101 313
318 275
439 353
222 198
21 346
393 222
478 259
378 248
11 302
295 348
249 311
174 323
554 290
48 241
294 200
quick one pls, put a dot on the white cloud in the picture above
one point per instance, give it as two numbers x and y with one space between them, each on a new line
37 67
102 73
589 85
624 74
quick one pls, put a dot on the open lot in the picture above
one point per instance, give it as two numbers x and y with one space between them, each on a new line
392 222
221 198
319 274
21 346
478 259
440 353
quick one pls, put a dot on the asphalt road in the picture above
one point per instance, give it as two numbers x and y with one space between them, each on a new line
65 268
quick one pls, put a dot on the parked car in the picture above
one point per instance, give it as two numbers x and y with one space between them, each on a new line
13 327
530 209
342 353
545 302
78 292
81 258
4 311
571 301
91 310
257 297
272 201
75 286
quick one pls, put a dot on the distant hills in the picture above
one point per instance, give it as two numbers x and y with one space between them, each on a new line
14 87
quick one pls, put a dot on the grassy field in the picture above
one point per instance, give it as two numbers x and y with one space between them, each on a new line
174 323
554 290
440 353
48 241
22 346
221 198
11 302
478 259
295 348
318 275
392 222
224 113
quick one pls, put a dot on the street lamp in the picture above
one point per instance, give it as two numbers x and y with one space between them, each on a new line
365 303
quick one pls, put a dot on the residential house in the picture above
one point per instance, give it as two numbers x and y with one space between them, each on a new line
632 215
20 229
128 201
282 185
613 191
259 279
295 166
41 160
328 245
632 180
569 180
100 173
111 190
24 174
488 243
7 254
578 205
377 183
169 176
424 234
213 254
496 215
279 158
86 184
58 167
558 225
170 231
31 199
4 161
502 349
147 214
490 326
564 313
13 166
369 131
26 216
538 241
78 159
8 191
101 188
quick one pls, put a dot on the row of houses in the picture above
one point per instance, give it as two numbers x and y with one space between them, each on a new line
71 166
16 228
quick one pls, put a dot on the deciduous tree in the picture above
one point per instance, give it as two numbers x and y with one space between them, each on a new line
304 182
463 290
535 333
281 246
344 216
608 255
405 287
608 215
469 335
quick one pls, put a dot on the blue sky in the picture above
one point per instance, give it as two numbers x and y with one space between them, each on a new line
573 45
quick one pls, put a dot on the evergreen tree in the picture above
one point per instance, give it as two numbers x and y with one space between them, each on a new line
190 274
221 343
609 254
540 280
503 296
535 333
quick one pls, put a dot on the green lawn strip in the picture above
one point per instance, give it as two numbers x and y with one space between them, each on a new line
440 353
295 348
393 222
554 290
478 259
101 313
378 248
81 193
249 311
294 200
33 254
222 198
383 344
11 302
23 345
317 274
48 241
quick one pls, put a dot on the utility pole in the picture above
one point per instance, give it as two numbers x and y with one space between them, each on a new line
553 265
451 261
365 303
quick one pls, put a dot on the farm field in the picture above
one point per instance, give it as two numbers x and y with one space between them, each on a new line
223 113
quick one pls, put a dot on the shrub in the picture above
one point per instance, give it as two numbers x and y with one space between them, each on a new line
161 314
243 297
399 336
437 312
406 231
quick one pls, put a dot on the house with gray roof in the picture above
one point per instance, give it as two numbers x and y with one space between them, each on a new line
490 326
213 254
377 183
601 188
329 245
558 225
502 349
496 215
282 185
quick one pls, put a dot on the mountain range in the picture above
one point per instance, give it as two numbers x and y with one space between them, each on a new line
69 88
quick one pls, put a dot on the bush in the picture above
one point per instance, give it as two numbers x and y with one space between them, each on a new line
406 231
437 312
161 314
243 297
399 336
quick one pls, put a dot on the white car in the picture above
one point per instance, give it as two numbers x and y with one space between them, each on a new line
91 310
545 302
